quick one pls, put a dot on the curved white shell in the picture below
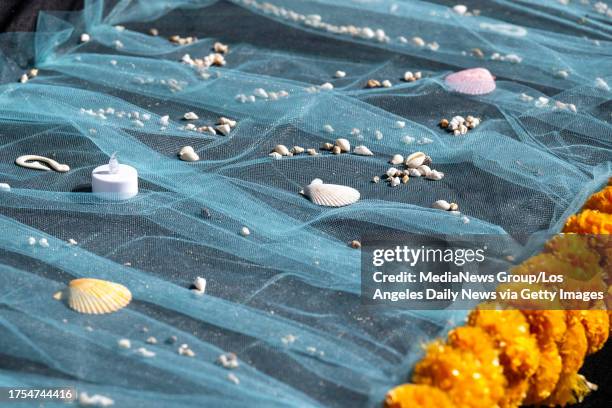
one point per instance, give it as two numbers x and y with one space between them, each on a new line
442 205
224 129
362 151
281 149
397 159
32 161
96 296
415 160
344 145
188 154
330 195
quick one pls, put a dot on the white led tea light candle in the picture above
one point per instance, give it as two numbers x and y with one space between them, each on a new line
115 181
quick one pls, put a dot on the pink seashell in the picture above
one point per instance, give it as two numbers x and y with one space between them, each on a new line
474 81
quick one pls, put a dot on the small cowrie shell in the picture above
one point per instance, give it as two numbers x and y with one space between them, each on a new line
188 154
441 205
391 172
281 149
415 160
397 159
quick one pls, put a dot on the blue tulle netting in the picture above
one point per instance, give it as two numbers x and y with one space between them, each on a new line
285 298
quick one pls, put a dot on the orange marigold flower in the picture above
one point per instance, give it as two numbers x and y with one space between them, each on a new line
547 325
417 396
519 353
457 372
589 222
574 346
596 326
601 201
545 379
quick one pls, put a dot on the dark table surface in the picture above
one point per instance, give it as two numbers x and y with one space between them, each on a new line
20 15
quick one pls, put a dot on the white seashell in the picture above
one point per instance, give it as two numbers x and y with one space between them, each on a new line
5 187
95 400
43 242
223 129
31 161
391 172
424 170
164 120
435 175
415 160
144 352
344 145
85 37
200 285
72 241
124 343
275 155
400 124
362 151
408 139
31 241
245 232
281 149
95 296
340 74
188 154
151 340
226 121
460 9
386 83
260 92
395 181
297 149
414 173
397 159
327 86
330 195
441 205
190 116
328 128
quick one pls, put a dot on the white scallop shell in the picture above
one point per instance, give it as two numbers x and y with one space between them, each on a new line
95 296
330 195
188 154
224 129
362 151
415 160
344 145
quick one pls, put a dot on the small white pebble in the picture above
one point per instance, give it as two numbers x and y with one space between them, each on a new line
200 285
72 242
124 343
23 79
260 92
190 116
386 83
151 340
144 352
85 37
328 128
395 181
31 241
460 9
95 400
43 242
408 139
327 86
244 231
400 124
233 378
5 187
340 74
113 62
378 135
164 120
